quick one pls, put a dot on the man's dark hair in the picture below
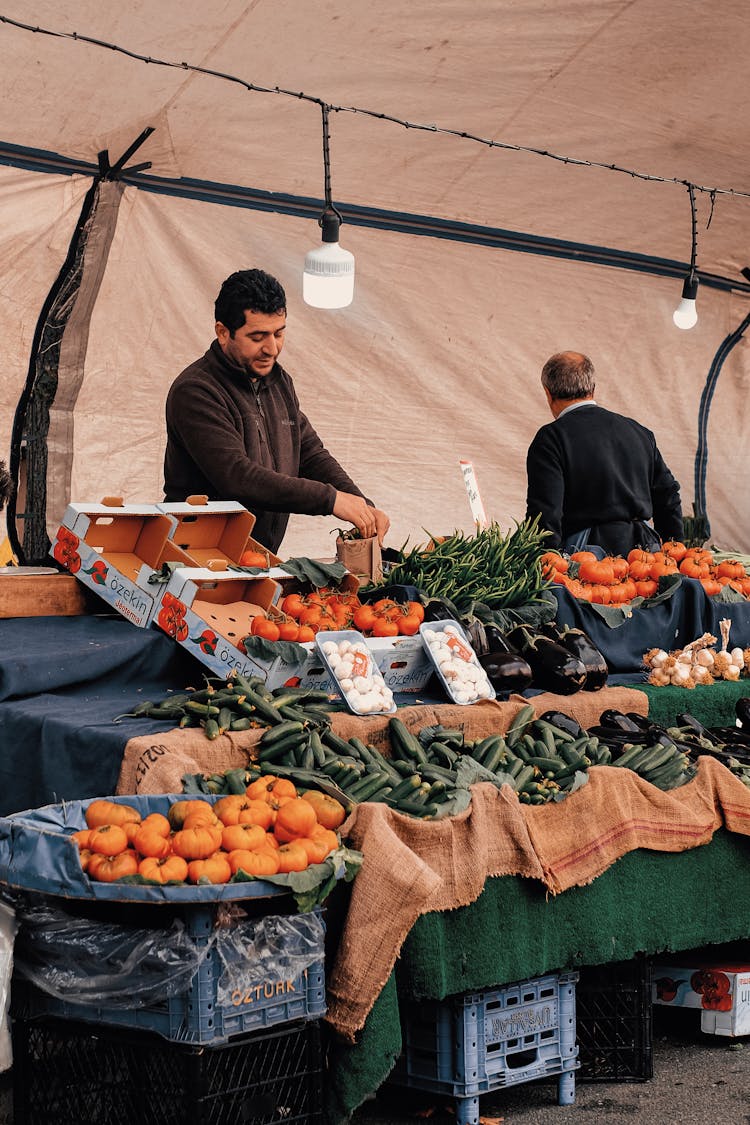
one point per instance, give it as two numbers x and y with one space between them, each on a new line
569 375
6 485
251 290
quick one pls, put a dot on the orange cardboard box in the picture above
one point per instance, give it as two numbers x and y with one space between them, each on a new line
112 548
208 532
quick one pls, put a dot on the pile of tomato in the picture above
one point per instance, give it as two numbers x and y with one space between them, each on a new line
300 616
615 580
271 829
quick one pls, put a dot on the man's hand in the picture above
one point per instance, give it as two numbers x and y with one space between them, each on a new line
368 521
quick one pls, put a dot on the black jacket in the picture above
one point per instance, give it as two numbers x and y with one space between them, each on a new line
591 468
231 437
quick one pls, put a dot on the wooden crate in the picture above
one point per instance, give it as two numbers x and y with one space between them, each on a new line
43 592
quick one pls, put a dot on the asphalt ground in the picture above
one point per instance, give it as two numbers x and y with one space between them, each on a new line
698 1079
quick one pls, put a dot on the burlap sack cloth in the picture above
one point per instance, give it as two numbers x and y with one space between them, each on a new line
411 867
157 763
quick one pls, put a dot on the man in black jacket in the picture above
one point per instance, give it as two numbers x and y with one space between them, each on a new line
595 476
235 430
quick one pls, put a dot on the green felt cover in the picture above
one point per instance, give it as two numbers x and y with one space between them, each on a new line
647 902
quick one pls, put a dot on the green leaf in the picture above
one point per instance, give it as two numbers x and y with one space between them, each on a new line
728 596
194 784
262 649
316 573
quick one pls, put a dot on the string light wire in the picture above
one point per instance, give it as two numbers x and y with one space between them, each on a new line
254 87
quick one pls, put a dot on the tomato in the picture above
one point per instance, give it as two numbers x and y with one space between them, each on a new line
107 868
263 627
693 567
108 839
364 618
619 566
172 869
552 562
288 631
306 634
674 549
255 558
292 605
597 571
417 609
408 625
384 627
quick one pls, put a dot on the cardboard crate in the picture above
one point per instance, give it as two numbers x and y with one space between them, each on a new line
208 612
112 548
28 591
720 990
210 532
402 662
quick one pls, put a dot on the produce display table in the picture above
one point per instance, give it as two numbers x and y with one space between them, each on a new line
647 902
635 870
64 679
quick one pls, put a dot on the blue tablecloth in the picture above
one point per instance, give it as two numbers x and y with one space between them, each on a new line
671 624
62 682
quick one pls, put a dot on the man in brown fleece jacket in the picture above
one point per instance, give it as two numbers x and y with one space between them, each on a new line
235 430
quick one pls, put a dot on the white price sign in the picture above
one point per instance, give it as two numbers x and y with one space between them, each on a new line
472 491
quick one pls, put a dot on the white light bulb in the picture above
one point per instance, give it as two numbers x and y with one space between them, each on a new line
328 278
686 314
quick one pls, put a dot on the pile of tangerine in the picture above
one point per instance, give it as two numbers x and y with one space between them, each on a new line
615 580
301 616
269 830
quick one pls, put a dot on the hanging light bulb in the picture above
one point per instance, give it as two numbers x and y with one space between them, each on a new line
686 314
328 278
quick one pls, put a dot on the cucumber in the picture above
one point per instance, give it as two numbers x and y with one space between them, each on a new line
403 742
521 720
407 787
280 732
368 786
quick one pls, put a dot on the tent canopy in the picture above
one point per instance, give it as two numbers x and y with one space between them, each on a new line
513 176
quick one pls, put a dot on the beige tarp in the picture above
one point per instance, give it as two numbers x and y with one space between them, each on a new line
438 357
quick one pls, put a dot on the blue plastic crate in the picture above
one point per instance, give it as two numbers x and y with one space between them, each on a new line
196 1016
472 1044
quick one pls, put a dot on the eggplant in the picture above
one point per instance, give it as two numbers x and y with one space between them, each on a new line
552 666
742 711
688 720
506 671
581 645
505 667
611 718
563 722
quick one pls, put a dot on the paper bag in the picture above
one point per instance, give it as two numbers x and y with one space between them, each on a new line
361 557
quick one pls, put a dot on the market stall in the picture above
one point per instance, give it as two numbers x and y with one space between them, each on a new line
517 874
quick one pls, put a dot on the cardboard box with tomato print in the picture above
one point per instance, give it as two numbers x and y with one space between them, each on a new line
720 991
209 612
402 661
113 548
216 531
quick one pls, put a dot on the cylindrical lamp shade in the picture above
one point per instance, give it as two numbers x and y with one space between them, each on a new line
328 279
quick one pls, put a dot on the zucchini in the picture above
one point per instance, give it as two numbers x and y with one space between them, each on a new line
521 719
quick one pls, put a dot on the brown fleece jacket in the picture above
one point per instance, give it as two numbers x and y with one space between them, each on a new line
231 437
